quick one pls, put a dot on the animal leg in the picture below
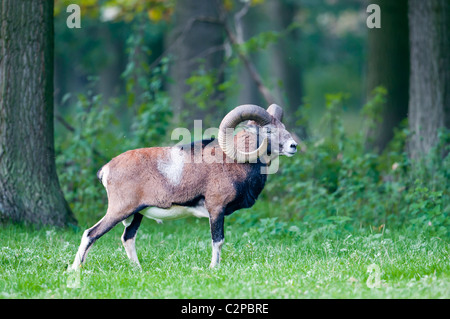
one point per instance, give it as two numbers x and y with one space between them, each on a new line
92 234
129 237
216 222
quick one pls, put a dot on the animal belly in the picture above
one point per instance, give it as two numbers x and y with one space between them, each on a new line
175 212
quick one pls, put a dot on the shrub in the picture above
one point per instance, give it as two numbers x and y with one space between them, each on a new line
337 181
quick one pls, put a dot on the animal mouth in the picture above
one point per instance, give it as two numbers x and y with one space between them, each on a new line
290 153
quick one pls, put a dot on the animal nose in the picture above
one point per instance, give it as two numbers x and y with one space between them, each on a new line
294 145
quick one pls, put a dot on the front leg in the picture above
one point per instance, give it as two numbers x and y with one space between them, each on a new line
216 222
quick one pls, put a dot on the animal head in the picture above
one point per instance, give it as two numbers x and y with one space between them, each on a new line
266 124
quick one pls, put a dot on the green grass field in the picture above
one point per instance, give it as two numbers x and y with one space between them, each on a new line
259 260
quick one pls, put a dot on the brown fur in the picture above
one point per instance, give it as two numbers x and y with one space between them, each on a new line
167 176
134 179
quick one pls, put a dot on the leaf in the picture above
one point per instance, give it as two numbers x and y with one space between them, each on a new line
155 14
294 229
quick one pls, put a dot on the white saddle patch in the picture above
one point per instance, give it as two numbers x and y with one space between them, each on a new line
172 166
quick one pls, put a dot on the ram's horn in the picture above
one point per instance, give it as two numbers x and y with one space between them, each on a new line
276 111
240 114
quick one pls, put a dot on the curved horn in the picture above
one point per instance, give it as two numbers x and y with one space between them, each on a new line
231 120
276 111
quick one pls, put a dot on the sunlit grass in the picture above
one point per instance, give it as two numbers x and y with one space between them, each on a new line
257 262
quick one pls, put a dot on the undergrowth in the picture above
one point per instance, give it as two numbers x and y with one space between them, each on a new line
335 182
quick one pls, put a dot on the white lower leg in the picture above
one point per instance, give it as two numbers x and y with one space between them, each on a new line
130 249
130 244
82 250
216 249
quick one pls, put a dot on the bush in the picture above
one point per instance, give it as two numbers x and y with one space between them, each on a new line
337 181
94 133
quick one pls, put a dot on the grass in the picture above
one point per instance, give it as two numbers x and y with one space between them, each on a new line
260 259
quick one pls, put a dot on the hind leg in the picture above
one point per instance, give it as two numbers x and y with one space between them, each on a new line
129 237
92 234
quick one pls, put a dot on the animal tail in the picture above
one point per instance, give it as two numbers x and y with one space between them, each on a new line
100 174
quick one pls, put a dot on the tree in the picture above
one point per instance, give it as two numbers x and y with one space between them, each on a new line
29 186
429 93
245 21
197 41
286 64
388 66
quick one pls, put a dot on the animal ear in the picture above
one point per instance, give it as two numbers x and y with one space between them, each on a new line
276 111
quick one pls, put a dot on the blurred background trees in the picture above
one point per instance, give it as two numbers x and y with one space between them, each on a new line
388 66
197 43
298 48
429 103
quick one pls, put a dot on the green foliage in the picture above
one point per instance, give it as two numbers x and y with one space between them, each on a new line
374 107
202 85
425 206
337 183
94 131
82 151
144 93
210 90
260 42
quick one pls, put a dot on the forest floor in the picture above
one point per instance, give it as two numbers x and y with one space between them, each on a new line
257 262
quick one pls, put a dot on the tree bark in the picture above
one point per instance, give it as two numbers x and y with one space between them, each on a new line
429 95
388 66
196 36
29 187
286 62
249 92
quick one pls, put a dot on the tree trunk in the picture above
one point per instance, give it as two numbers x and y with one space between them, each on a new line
429 95
196 35
388 66
249 93
29 187
286 62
